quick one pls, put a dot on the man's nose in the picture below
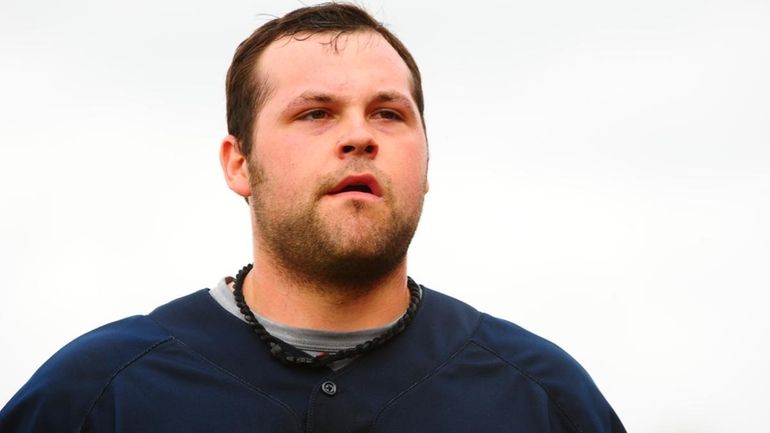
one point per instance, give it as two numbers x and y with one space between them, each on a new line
357 141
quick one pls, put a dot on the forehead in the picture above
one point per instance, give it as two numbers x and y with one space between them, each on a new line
348 62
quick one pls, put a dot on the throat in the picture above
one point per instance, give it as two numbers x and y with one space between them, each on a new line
308 305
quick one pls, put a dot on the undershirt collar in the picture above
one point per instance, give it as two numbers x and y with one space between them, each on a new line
311 341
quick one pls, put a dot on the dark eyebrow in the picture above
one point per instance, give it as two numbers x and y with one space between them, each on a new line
393 97
308 97
324 98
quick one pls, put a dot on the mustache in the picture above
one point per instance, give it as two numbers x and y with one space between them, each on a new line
329 181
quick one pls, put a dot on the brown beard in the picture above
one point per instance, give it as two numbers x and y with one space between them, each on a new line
307 248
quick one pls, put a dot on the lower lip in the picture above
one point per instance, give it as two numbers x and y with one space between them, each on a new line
356 195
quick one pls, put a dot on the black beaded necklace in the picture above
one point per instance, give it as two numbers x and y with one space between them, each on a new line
278 351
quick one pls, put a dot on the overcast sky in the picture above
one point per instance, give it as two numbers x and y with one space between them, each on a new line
600 174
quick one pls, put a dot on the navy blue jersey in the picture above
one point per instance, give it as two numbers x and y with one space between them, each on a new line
190 366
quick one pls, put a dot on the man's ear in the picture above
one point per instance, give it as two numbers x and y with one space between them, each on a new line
234 166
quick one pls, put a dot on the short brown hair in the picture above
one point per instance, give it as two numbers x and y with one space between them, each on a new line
246 93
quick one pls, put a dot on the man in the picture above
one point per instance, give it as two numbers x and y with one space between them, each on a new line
325 332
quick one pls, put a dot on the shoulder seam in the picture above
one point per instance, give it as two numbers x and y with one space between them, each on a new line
467 340
115 374
416 383
533 379
231 374
241 380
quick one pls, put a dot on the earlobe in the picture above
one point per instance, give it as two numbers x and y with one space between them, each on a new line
234 166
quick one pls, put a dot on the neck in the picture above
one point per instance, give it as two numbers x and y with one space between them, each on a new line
275 294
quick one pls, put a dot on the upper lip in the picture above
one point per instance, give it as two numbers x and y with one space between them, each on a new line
362 181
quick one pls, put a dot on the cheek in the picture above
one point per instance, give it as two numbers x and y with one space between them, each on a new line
410 177
285 159
415 162
277 160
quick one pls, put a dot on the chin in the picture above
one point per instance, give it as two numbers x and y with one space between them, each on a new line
361 271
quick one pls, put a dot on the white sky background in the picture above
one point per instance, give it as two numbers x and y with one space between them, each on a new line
600 174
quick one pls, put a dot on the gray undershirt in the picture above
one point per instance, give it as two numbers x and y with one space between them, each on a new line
311 341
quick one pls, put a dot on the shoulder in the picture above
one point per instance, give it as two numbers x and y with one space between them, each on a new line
104 351
535 356
510 365
572 392
63 390
443 307
528 351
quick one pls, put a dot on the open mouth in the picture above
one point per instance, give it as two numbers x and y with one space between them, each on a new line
364 183
359 188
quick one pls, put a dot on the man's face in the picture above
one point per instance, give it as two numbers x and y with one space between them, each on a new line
339 163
